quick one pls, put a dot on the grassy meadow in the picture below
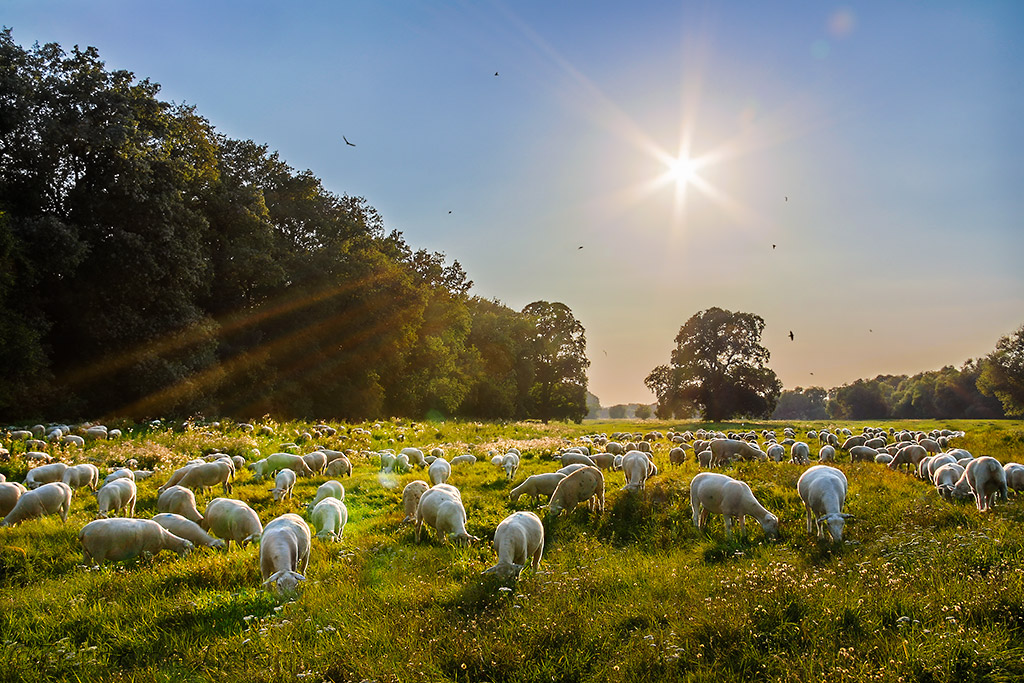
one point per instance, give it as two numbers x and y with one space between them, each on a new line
921 589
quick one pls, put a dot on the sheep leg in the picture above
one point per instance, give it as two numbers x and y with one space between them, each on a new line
728 525
695 505
742 523
810 520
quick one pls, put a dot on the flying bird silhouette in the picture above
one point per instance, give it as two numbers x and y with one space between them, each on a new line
579 247
787 199
791 335
495 73
449 212
773 246
350 144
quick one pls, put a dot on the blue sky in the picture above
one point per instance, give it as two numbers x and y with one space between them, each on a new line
891 127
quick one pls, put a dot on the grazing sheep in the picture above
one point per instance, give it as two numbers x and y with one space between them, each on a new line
49 499
724 450
585 484
316 461
443 510
411 498
517 539
188 529
987 479
637 467
465 458
73 440
883 458
121 473
117 496
44 474
605 461
677 456
827 454
823 491
176 476
800 453
731 498
862 454
575 457
705 457
909 455
776 452
207 475
946 478
1014 476
496 460
239 463
934 463
439 471
10 492
78 476
180 501
414 456
284 553
329 517
852 441
122 539
283 484
278 461
328 489
537 485
510 463
339 467
232 520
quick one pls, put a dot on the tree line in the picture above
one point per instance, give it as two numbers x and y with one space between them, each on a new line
150 265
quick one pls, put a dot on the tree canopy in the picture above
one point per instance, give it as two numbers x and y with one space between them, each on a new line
152 266
1002 373
718 366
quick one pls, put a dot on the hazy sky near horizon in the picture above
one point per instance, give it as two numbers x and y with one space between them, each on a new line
860 173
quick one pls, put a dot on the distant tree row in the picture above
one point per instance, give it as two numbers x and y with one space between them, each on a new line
992 387
152 266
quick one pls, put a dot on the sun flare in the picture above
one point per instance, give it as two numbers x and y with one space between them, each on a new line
682 170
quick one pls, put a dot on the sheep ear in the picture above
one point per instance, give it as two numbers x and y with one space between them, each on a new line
492 570
273 577
847 516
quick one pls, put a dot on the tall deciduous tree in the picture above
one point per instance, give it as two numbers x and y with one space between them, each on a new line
719 366
1002 373
559 350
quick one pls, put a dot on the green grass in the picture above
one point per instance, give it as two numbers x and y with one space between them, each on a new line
922 589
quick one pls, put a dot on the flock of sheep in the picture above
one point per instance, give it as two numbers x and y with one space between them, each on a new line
285 542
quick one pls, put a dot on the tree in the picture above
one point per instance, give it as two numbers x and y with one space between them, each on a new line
802 404
862 400
642 412
1002 373
558 346
617 412
719 366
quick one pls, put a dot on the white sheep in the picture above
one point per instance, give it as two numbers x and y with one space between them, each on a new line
800 453
569 469
44 474
637 467
1014 476
329 517
510 463
10 492
776 452
120 473
585 484
946 478
537 485
187 529
207 475
443 510
121 539
232 520
180 501
827 454
276 462
329 489
575 457
49 499
439 471
987 479
284 553
465 458
339 466
176 476
117 496
413 455
823 491
711 492
496 460
316 461
411 498
517 539
284 482
78 476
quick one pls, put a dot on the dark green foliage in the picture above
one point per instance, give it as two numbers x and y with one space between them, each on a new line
150 266
718 366
1002 373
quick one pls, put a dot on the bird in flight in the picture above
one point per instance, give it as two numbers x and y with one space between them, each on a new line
773 246
350 144
495 73
579 247
787 199
449 212
791 335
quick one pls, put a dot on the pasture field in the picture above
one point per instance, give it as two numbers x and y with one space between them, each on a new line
922 589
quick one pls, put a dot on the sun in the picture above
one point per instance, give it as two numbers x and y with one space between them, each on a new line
682 171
